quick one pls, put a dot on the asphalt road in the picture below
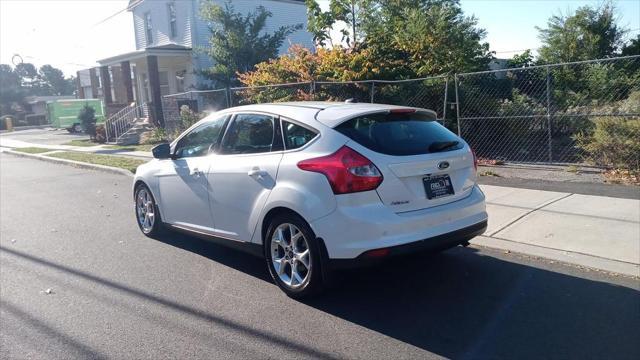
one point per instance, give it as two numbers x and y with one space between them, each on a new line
117 294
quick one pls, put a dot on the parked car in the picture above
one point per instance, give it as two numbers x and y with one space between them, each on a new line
315 186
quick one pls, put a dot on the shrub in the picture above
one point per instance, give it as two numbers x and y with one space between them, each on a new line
615 142
87 117
188 117
157 136
101 134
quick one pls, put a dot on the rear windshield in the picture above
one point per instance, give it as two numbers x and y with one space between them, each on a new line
400 134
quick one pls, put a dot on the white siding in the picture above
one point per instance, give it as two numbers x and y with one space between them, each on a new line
283 13
194 32
160 21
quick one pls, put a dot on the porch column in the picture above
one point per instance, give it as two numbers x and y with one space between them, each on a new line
93 78
79 87
106 84
154 88
125 70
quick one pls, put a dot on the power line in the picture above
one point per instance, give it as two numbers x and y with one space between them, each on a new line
110 17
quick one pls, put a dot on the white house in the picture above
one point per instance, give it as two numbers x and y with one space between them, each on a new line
167 34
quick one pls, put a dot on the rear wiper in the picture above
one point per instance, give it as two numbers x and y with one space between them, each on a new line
442 145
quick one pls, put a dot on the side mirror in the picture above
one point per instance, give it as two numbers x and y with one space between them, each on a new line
162 151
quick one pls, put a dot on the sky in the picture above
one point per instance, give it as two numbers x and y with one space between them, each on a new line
73 34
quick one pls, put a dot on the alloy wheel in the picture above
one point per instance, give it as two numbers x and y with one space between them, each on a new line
290 255
145 210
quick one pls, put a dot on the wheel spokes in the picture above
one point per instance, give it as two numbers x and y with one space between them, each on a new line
145 210
303 258
295 276
290 255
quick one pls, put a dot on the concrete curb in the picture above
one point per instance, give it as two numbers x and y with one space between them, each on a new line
78 164
568 257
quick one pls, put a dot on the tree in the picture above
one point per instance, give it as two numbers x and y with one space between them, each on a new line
25 80
632 47
435 35
53 82
521 60
11 91
590 33
348 15
319 23
87 117
415 37
238 42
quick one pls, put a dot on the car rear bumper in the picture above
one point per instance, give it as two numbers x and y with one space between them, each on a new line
361 224
433 244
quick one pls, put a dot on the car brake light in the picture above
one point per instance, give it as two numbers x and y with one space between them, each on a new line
377 253
346 170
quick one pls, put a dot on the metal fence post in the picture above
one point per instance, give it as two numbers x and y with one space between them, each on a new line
549 114
455 78
373 90
227 93
314 90
444 109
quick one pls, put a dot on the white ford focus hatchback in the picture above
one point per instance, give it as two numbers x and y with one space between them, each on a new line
314 187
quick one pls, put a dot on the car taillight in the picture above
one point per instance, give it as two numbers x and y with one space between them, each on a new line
346 170
475 160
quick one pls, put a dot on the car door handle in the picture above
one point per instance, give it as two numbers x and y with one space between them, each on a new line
195 172
257 172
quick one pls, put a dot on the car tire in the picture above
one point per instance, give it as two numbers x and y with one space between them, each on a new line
283 256
147 213
77 128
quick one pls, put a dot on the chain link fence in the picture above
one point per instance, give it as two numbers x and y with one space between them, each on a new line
573 113
427 93
570 113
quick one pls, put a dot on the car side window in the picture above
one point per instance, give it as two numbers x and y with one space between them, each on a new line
296 136
202 140
249 134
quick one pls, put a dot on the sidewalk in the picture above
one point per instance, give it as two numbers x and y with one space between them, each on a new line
593 231
98 149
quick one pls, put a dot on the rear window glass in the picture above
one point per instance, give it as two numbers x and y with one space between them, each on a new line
400 134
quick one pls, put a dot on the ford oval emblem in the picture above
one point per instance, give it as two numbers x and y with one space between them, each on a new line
443 165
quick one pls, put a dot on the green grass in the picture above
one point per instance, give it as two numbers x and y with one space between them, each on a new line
33 150
83 142
108 160
489 173
573 169
143 147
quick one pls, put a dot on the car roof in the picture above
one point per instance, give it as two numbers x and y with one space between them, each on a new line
328 113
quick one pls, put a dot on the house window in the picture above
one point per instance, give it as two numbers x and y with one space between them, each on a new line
148 28
180 80
163 77
173 26
145 87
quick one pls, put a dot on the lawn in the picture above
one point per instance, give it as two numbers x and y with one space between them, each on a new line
142 147
87 142
32 150
108 160
81 142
